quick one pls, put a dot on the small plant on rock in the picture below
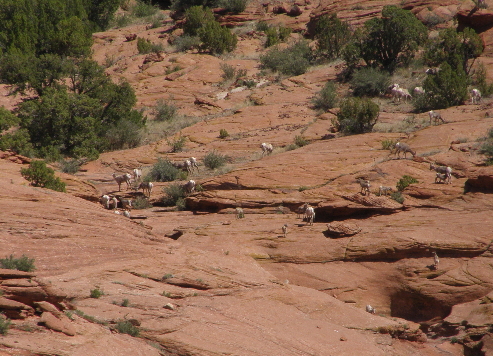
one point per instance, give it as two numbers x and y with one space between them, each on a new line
23 263
177 144
165 110
397 196
214 160
405 181
300 141
96 293
223 133
126 327
4 324
164 171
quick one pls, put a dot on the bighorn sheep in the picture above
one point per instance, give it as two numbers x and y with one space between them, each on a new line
114 202
285 230
146 186
189 186
193 161
126 203
432 71
441 178
435 117
475 96
188 166
240 214
382 190
365 186
370 309
403 147
310 215
126 213
301 210
404 93
122 178
266 148
418 91
436 260
443 170
105 201
137 173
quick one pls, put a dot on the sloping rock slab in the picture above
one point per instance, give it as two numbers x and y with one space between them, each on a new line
480 179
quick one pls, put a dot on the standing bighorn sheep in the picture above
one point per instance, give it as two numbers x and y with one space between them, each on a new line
443 170
240 214
189 186
285 230
436 260
310 215
475 96
146 186
266 148
365 186
137 173
193 162
301 210
435 117
105 201
385 190
403 147
122 178
370 309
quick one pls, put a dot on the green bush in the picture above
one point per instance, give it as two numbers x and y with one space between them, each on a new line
19 141
186 42
23 263
70 166
217 39
96 293
177 144
172 194
164 171
370 82
357 116
125 303
388 144
293 60
126 327
234 6
300 141
39 175
165 110
124 134
223 133
326 98
143 9
145 46
7 119
230 72
331 35
4 324
397 196
213 160
262 26
141 203
404 182
276 35
195 18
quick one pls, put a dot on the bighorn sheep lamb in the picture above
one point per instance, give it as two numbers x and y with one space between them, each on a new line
146 186
126 213
403 147
105 201
436 260
441 178
418 91
126 203
370 309
285 230
266 148
114 202
365 186
444 170
435 117
475 96
122 178
384 190
310 215
240 214
189 186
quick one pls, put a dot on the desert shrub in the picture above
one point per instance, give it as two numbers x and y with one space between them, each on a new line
164 171
144 46
262 26
213 160
223 133
186 42
216 39
234 6
369 82
195 18
249 83
4 324
122 135
479 81
293 60
172 193
125 303
39 175
357 116
164 110
404 182
331 35
326 98
96 293
276 35
230 72
177 144
126 327
300 141
70 166
487 147
431 19
122 21
388 144
22 263
141 203
397 196
143 9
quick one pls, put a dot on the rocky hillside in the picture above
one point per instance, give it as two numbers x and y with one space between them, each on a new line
201 281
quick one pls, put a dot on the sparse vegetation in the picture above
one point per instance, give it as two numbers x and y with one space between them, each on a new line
39 175
96 293
186 42
177 144
213 160
89 317
234 6
300 141
326 98
126 327
165 110
173 193
404 182
397 196
223 133
144 9
22 263
4 324
293 60
141 203
487 147
145 46
231 73
70 166
125 303
388 144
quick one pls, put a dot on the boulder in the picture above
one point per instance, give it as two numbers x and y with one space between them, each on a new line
61 323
